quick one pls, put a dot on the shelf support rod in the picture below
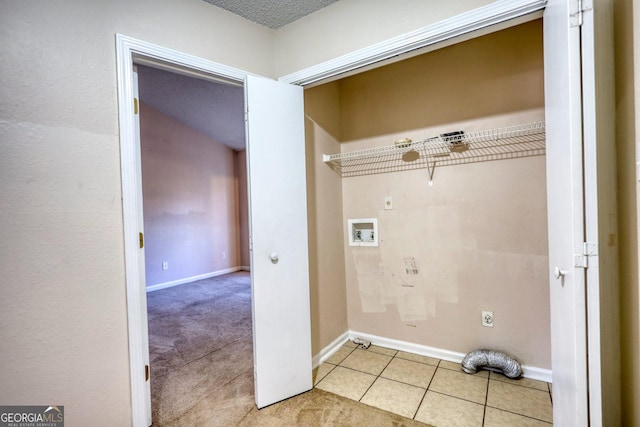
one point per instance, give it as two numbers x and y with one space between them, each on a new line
431 169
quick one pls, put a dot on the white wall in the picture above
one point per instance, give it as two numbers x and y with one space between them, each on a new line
63 301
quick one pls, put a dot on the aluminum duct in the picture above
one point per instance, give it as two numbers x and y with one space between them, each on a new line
491 360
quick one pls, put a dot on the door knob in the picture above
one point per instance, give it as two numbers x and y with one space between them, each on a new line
274 257
559 273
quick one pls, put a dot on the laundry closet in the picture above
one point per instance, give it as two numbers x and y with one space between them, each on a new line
444 240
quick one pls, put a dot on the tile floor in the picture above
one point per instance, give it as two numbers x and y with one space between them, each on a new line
433 391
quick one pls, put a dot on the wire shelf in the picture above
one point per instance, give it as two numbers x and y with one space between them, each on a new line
523 140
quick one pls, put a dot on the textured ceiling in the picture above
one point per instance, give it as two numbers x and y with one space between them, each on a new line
214 109
272 13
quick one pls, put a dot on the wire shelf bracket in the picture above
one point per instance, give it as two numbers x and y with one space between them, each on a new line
524 140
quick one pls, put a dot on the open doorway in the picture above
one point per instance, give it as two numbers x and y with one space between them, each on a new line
194 189
274 124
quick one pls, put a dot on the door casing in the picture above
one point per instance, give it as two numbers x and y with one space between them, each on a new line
128 51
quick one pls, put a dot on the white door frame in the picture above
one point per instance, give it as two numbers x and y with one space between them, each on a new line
127 50
471 24
497 15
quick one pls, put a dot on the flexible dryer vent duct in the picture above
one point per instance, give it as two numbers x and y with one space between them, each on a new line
492 360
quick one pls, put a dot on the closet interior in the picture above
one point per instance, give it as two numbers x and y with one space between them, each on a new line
445 150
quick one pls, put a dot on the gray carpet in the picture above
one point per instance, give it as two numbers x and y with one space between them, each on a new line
201 351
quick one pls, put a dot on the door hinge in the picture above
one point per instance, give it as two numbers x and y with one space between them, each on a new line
141 236
577 18
589 249
135 105
246 115
146 373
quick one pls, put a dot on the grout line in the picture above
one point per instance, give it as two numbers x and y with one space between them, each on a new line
420 404
325 375
377 376
522 415
486 399
426 390
456 397
513 382
356 370
523 386
349 354
367 390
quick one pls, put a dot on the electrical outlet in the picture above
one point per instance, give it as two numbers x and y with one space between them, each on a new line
388 203
224 255
487 318
165 265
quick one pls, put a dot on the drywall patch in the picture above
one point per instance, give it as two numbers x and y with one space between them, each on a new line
410 266
401 257
417 265
370 280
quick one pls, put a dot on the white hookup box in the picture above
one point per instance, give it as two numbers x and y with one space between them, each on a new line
363 232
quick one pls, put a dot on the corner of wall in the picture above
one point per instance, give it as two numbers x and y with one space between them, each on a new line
324 206
627 88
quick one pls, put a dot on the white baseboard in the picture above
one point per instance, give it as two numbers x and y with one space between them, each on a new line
328 351
191 279
245 268
531 372
539 374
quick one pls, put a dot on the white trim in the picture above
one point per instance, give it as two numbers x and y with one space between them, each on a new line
245 268
131 213
476 19
129 49
191 279
539 374
531 372
328 351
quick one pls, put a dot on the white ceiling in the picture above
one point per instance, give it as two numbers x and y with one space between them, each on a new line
271 13
214 109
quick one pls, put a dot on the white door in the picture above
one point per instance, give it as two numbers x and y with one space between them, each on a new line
575 198
278 230
563 110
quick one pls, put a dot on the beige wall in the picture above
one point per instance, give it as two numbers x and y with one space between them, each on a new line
63 300
191 200
346 26
324 210
478 236
627 64
243 207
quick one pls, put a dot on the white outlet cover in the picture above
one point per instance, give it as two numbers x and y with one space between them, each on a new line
487 318
388 202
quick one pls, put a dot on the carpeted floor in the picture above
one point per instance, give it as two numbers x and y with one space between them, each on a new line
201 350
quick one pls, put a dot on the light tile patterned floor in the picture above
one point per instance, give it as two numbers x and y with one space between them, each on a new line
434 391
